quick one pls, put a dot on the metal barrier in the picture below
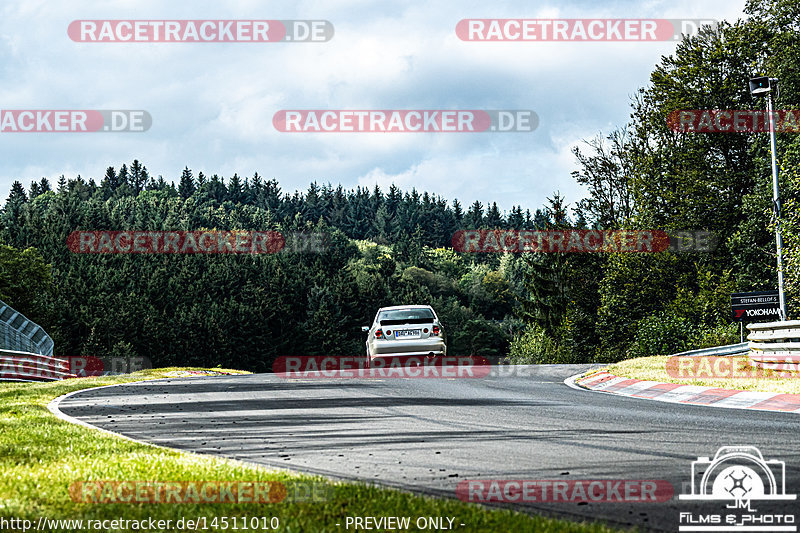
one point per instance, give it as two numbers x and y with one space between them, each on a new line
26 350
20 334
25 366
727 350
774 342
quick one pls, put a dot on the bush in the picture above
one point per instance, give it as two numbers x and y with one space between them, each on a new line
534 347
718 335
468 333
662 334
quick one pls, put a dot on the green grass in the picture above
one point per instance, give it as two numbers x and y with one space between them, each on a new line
41 456
654 369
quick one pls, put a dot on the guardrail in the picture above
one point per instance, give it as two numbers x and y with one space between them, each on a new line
774 342
26 350
26 366
728 350
19 333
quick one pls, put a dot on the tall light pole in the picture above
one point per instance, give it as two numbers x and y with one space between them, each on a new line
760 87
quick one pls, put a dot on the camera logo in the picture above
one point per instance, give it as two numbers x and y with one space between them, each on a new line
736 476
738 473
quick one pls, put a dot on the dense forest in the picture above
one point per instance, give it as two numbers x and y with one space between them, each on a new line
391 247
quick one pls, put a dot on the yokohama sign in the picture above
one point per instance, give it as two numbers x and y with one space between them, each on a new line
753 306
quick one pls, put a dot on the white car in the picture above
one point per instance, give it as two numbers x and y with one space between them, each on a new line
405 330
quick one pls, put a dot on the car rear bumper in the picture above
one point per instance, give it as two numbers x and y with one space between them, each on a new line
418 347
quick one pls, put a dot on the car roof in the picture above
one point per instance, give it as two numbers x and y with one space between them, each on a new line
405 307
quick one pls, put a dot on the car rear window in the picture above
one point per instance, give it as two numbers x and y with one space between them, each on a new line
405 316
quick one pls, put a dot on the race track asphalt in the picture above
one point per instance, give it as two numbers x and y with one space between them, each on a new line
427 435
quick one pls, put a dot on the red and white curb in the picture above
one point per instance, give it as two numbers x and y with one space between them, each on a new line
688 394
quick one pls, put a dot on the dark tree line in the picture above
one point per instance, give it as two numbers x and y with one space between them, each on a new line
243 311
390 247
359 213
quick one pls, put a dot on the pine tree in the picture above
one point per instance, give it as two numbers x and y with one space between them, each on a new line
311 208
138 176
160 184
256 189
17 196
11 218
384 226
415 250
540 220
272 194
458 213
235 189
124 180
516 220
247 192
494 219
35 190
377 199
186 188
547 282
393 199
474 217
217 189
358 219
337 212
110 182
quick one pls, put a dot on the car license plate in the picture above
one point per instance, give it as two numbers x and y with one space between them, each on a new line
406 333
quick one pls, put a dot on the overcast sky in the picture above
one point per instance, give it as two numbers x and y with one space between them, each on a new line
212 103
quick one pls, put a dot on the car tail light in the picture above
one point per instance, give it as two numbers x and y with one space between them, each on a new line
378 334
425 330
436 330
388 332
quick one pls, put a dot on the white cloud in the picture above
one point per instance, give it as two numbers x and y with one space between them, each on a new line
212 104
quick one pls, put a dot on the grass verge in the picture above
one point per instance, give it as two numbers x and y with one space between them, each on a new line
654 368
41 456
